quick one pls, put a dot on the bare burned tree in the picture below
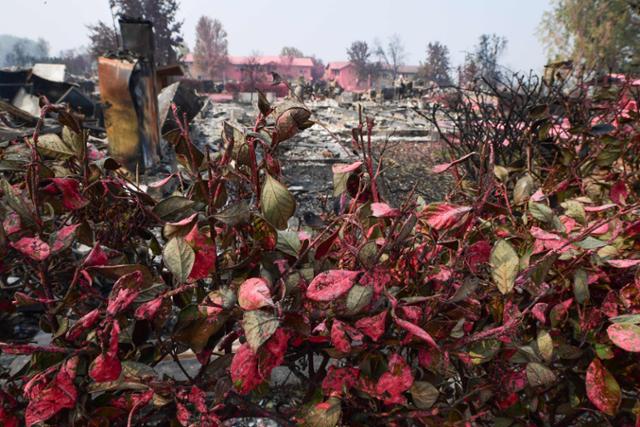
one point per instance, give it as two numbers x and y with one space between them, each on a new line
360 56
393 55
210 52
291 52
103 38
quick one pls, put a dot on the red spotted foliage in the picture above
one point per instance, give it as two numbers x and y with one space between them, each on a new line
514 301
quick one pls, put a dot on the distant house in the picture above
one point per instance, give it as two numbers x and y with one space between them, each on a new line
258 68
345 75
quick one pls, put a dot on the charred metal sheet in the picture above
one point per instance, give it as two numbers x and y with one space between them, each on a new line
185 98
130 111
52 90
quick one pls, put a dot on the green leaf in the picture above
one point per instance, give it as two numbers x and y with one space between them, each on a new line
504 266
258 327
367 254
523 189
501 173
591 243
539 375
278 205
540 211
580 286
52 146
424 394
633 319
324 414
575 210
179 258
288 243
172 207
483 351
237 213
545 345
358 298
16 204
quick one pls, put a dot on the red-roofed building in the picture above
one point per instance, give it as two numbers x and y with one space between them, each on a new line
259 68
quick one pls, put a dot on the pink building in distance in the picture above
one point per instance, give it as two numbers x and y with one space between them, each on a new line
259 68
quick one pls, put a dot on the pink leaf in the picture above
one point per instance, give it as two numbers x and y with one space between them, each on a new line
96 257
625 336
395 381
339 337
446 166
149 310
478 254
60 394
70 189
83 324
623 263
338 380
32 247
374 326
64 237
443 216
162 182
417 331
274 351
254 293
602 388
107 367
346 168
244 369
619 193
12 223
331 284
383 210
206 255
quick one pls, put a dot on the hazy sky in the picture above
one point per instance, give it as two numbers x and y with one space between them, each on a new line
324 28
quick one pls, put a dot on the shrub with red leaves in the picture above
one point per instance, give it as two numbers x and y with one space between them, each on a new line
516 301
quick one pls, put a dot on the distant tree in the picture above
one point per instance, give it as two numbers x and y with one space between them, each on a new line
42 48
393 55
601 35
18 56
317 72
482 63
252 74
437 66
359 55
166 26
103 38
210 52
78 61
291 52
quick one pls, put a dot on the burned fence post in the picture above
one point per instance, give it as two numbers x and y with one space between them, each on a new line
128 91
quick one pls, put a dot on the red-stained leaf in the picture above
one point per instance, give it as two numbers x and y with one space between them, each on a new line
95 257
64 238
559 312
346 168
625 335
443 216
602 388
331 284
107 366
12 223
205 254
70 189
619 193
446 166
273 352
539 311
161 182
623 263
395 381
339 380
339 337
478 254
417 331
185 221
254 293
83 324
60 394
32 247
149 310
383 210
124 292
244 370
325 246
374 326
